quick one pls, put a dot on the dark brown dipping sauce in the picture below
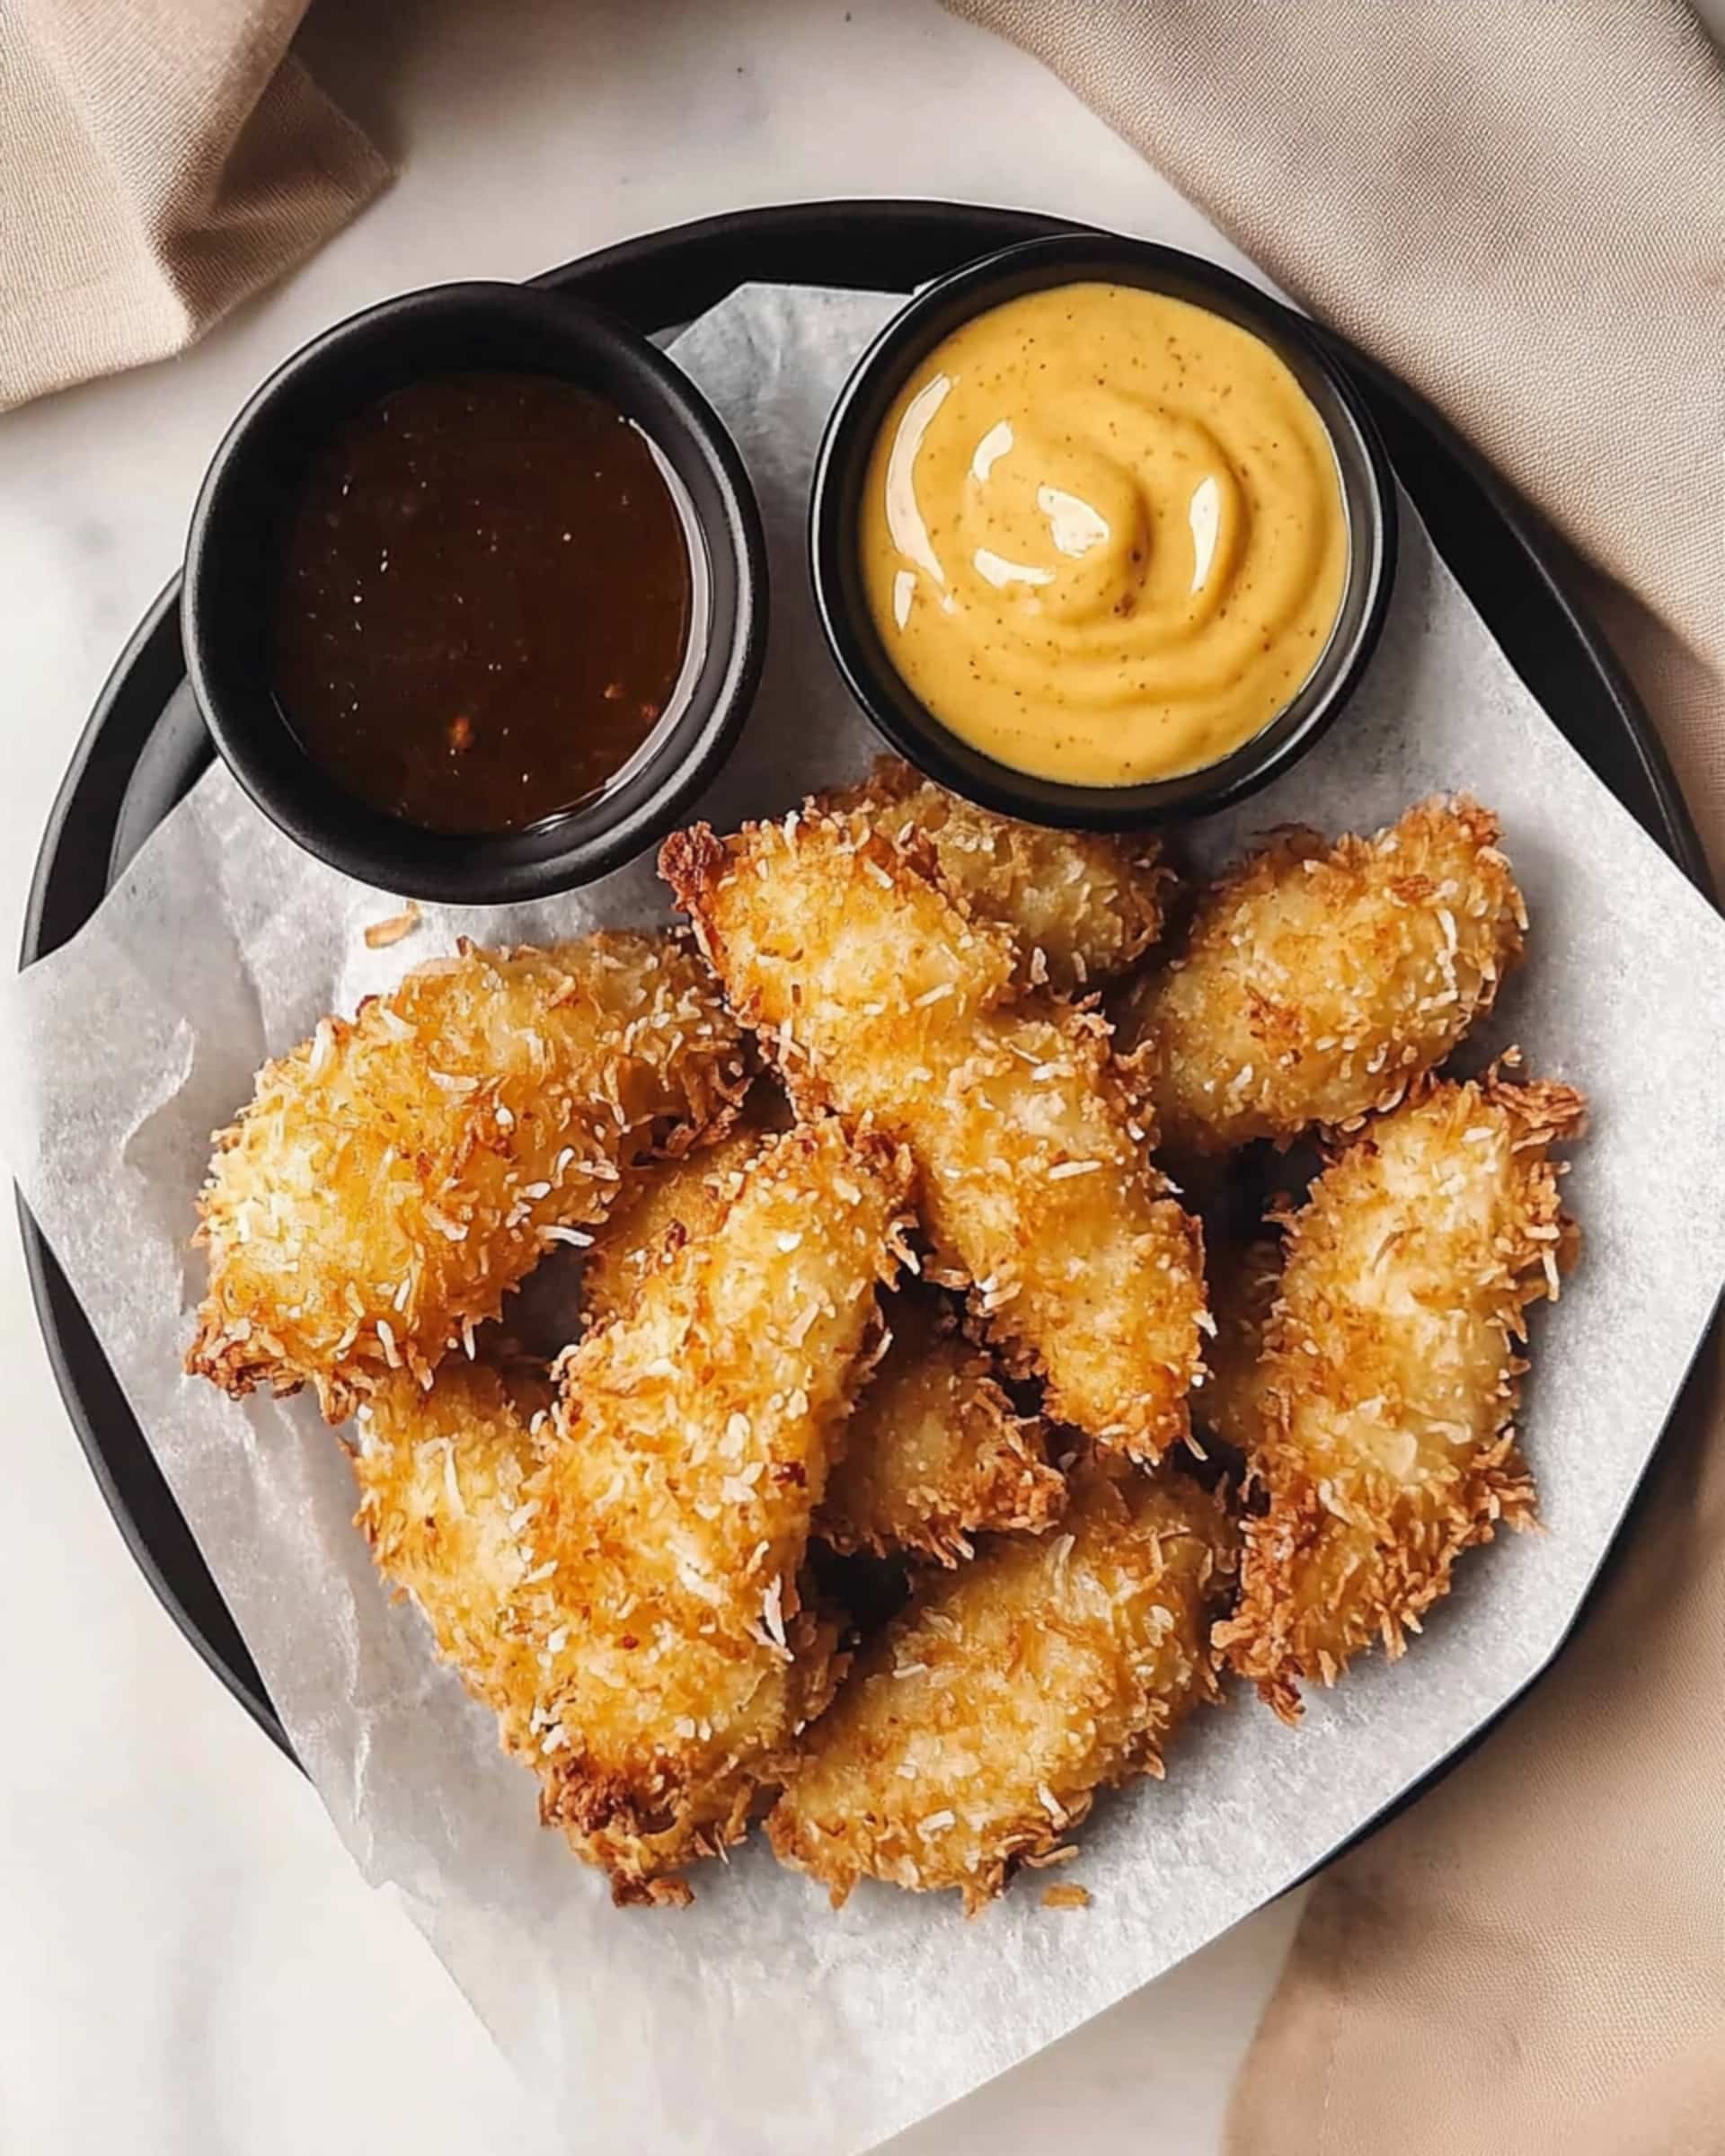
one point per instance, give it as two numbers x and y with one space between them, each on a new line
485 601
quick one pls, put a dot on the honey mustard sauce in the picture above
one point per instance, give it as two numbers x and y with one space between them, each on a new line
1102 536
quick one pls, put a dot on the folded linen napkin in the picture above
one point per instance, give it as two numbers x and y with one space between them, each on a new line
160 161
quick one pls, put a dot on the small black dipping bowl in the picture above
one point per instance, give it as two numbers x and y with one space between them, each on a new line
1368 499
233 566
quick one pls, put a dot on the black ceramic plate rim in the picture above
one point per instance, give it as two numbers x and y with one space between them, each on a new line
846 444
885 244
581 341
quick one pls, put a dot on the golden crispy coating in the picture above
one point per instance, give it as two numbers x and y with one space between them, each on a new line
394 1177
1084 906
978 1731
935 1453
617 1578
1315 985
876 993
453 1486
443 1476
668 1203
688 1452
1244 1281
1390 1375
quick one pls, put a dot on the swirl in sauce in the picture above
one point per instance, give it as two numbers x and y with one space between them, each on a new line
1102 536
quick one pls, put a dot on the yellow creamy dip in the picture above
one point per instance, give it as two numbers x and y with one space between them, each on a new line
1102 537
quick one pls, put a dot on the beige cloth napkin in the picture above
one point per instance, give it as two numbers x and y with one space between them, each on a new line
160 160
1520 205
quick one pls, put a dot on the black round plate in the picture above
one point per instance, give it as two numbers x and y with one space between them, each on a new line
145 743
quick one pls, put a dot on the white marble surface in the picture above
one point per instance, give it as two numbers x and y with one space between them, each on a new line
187 1962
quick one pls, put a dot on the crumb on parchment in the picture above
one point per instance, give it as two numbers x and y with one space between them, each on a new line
380 934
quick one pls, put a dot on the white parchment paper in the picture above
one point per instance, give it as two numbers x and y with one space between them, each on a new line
757 2022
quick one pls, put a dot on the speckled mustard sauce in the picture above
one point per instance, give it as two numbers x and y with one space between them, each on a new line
1102 536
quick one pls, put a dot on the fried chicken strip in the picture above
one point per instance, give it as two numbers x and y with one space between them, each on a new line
443 1477
1315 985
876 993
1390 1375
394 1177
689 1450
978 1731
667 1204
935 1453
453 1485
1084 906
1243 1282
617 1577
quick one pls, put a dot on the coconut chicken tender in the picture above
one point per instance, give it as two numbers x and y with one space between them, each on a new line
935 1453
394 1177
1008 1693
1390 1375
876 993
444 1476
1084 906
454 1488
617 1575
688 1452
1244 1279
1316 983
665 1205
